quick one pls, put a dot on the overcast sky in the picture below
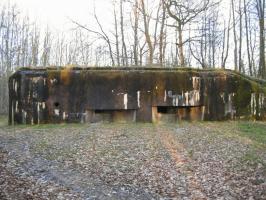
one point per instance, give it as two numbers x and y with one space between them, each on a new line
56 12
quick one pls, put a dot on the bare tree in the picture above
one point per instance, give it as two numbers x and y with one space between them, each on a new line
116 37
101 33
247 38
35 43
235 35
162 36
240 61
135 27
253 44
198 49
184 12
146 21
226 40
260 7
45 59
124 47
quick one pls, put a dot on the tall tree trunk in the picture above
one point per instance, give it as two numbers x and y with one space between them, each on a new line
162 36
147 33
176 56
180 45
136 26
247 39
260 5
262 49
116 39
240 61
124 47
235 36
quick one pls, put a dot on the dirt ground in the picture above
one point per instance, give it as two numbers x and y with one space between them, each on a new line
199 160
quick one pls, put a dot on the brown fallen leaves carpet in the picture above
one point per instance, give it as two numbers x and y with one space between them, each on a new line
131 161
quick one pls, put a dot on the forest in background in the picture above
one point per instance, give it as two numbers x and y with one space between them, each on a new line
167 33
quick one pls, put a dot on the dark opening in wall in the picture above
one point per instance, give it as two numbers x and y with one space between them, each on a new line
111 115
173 114
56 104
166 109
102 111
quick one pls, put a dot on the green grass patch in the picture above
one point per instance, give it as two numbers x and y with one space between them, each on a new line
254 131
3 120
253 159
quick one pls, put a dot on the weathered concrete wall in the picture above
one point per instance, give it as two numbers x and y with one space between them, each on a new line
132 94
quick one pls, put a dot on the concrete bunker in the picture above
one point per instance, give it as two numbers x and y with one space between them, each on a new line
66 95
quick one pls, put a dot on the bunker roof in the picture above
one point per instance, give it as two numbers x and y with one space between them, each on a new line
210 71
